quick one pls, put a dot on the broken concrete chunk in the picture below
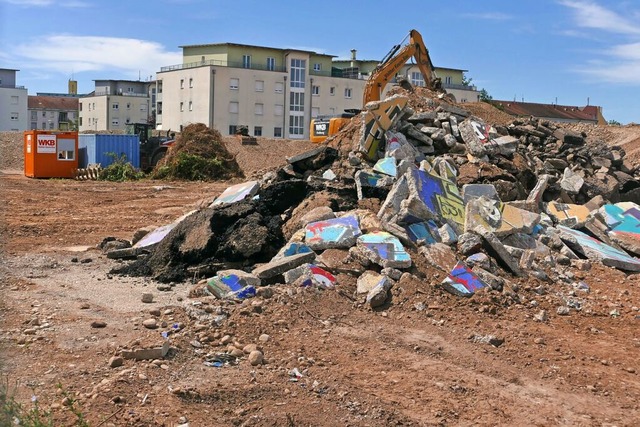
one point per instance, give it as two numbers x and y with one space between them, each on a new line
498 217
399 148
233 284
333 233
280 265
387 166
310 275
480 259
126 253
535 196
469 243
293 248
384 249
440 256
571 181
159 233
376 286
494 245
237 192
423 233
147 353
462 281
370 184
448 235
569 215
474 191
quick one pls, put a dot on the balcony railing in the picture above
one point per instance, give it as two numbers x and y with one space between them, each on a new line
110 92
457 86
221 63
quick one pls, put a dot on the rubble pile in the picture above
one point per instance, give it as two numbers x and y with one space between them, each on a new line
199 153
413 181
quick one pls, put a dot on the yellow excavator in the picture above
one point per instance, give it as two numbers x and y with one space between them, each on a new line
324 127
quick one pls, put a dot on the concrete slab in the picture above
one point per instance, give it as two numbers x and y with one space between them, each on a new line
339 232
423 233
281 265
462 282
499 218
474 191
310 275
387 166
159 233
237 192
379 117
233 284
596 250
384 249
567 214
623 220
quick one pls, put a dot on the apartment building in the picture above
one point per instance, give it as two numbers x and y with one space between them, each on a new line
13 102
115 103
53 111
275 92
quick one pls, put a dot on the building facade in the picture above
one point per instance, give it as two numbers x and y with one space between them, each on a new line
274 92
48 112
115 103
13 102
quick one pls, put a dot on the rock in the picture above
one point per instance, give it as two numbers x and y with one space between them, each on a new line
256 358
98 324
469 243
116 361
563 311
249 348
541 316
150 323
264 338
147 298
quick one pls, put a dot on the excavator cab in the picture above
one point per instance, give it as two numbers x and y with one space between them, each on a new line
324 126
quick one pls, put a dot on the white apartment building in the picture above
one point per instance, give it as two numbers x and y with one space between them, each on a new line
114 104
13 102
275 92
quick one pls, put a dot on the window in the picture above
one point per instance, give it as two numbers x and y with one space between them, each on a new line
234 107
279 87
50 125
234 84
278 110
296 101
417 79
332 111
447 80
115 122
44 114
259 85
115 106
14 116
347 93
259 109
34 125
233 129
190 82
66 149
246 61
315 90
128 106
80 106
182 106
181 83
271 64
317 67
257 131
14 100
34 115
143 107
190 106
298 72
332 90
130 90
80 119
277 132
94 106
296 125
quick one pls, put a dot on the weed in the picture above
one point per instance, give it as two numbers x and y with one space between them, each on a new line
192 167
120 170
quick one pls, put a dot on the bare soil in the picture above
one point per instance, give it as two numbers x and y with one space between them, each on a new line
421 360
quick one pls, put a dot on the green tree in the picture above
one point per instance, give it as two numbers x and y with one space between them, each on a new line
466 80
614 123
484 96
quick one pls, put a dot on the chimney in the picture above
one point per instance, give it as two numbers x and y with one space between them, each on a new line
353 57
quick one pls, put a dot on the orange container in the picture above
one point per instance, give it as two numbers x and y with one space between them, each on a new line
50 154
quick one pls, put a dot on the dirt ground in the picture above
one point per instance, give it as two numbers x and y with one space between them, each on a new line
424 359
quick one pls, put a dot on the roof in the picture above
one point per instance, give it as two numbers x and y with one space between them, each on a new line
254 47
52 103
551 111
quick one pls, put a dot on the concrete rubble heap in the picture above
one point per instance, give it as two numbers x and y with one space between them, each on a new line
414 182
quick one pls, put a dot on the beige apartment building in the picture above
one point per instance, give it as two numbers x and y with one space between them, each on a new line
13 102
115 103
275 92
53 111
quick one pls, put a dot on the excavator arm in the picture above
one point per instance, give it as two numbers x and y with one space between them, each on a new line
394 61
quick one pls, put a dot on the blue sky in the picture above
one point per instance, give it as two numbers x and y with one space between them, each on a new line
565 51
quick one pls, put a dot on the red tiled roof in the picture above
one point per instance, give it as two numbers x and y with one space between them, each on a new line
549 111
53 103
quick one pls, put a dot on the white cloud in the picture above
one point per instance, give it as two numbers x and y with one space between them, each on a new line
617 64
45 3
489 16
68 53
589 14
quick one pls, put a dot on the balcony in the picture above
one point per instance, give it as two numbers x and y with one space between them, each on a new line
219 63
110 92
458 86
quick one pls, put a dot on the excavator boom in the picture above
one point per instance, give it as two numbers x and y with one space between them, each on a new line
394 61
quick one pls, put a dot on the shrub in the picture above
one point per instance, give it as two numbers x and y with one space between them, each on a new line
120 170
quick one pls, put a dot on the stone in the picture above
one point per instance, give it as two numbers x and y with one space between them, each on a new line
474 191
98 324
571 182
480 259
147 298
310 275
499 218
147 353
384 249
317 214
150 323
256 358
535 196
380 293
494 245
116 361
469 243
448 235
264 338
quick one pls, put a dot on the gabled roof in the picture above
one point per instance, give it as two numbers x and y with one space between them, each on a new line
52 103
550 111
